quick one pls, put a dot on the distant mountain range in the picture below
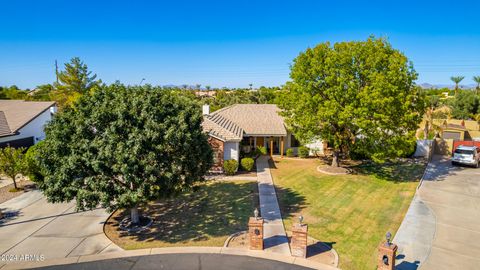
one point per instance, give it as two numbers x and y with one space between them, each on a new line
449 86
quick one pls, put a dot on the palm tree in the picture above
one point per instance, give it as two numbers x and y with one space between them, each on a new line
456 80
477 80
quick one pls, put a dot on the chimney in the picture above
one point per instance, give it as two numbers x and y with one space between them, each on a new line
206 109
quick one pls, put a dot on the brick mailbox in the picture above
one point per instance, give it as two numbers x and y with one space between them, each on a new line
255 233
299 240
386 256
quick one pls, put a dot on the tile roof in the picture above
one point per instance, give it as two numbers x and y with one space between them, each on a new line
14 114
222 128
255 119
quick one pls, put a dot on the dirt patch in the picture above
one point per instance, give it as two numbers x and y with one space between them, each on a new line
333 170
24 186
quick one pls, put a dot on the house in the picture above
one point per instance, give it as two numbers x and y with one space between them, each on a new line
22 122
243 127
459 129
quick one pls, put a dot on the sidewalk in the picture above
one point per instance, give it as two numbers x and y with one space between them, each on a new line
275 238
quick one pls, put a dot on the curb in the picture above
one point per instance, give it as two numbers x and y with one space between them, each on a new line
172 250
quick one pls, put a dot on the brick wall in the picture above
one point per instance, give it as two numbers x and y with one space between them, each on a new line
217 147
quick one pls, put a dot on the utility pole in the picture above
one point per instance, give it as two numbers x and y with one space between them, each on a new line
56 70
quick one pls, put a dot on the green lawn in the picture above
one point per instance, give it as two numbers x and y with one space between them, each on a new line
352 212
202 218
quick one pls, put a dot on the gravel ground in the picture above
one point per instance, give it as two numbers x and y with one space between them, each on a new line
6 195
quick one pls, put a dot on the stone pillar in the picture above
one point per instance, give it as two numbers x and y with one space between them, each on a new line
386 256
299 240
255 233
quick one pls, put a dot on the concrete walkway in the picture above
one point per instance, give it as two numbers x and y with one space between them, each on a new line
35 227
275 238
442 227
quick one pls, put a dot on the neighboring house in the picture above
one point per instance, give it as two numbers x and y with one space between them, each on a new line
244 127
22 122
459 129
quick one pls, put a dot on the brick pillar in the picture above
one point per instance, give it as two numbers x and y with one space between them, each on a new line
299 240
255 233
386 256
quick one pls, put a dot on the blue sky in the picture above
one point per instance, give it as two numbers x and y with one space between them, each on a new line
226 43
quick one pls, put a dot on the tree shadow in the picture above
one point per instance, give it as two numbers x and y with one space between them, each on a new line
291 202
215 209
405 170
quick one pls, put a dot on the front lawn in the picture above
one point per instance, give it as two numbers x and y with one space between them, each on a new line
351 212
202 218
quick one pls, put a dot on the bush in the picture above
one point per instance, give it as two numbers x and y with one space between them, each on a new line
303 152
33 169
230 166
261 150
290 152
247 164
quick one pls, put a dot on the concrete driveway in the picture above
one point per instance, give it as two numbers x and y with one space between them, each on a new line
442 227
38 228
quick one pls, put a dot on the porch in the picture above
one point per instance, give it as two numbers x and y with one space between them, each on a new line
275 145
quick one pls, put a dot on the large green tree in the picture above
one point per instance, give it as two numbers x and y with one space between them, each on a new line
355 95
123 146
74 81
465 105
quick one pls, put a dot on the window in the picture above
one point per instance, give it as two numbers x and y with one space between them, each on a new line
293 141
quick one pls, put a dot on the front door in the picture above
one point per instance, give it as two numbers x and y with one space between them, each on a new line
260 141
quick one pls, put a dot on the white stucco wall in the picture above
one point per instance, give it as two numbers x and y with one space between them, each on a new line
316 147
231 151
34 128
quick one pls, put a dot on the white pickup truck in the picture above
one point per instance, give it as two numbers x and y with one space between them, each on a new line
466 155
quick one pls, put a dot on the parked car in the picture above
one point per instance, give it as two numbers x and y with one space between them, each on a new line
466 155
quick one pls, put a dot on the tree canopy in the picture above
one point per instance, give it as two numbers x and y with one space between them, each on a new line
74 81
123 146
358 96
465 105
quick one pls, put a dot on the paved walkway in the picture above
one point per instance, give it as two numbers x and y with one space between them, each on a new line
36 227
275 238
442 227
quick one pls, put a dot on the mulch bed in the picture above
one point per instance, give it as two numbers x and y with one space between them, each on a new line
6 195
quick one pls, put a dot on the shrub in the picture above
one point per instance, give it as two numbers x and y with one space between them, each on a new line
261 150
33 169
247 164
303 152
290 152
230 166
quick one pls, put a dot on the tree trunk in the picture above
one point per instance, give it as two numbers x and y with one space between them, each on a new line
14 182
134 215
335 162
425 131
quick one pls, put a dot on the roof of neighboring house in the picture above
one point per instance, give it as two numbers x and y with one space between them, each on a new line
255 119
222 128
456 127
15 114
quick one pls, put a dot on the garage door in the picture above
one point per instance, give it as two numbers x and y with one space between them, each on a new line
451 135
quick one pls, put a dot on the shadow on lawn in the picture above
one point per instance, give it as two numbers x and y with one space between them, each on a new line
216 209
400 171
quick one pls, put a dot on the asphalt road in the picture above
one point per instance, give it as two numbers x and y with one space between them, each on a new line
182 262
